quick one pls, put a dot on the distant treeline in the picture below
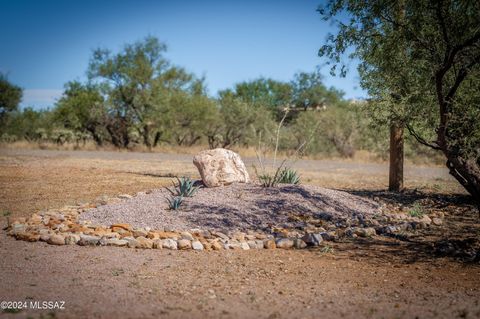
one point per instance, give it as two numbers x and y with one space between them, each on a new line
137 97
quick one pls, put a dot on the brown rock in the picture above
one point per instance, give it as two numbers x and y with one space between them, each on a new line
27 236
165 235
269 244
122 226
56 239
143 242
184 244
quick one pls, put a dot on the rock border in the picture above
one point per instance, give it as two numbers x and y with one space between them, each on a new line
62 227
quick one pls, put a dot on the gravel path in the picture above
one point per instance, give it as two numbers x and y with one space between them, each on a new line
234 207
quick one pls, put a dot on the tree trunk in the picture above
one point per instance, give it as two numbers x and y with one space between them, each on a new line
395 182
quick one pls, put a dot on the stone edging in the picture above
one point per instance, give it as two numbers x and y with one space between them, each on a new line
62 227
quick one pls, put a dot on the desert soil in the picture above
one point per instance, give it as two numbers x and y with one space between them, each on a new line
372 278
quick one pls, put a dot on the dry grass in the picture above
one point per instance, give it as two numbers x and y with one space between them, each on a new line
361 156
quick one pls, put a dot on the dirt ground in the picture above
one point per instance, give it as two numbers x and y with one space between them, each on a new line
373 278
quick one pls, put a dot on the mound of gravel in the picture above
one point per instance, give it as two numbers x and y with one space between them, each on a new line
234 207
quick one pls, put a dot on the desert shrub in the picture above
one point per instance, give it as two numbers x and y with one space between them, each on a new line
7 138
289 176
185 187
174 202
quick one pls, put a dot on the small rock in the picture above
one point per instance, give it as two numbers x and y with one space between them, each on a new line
244 245
31 237
114 227
184 244
425 219
269 244
170 244
437 221
186 235
18 228
284 243
88 240
144 243
216 245
312 239
116 242
72 239
56 239
196 245
140 233
253 244
299 244
365 232
157 243
125 196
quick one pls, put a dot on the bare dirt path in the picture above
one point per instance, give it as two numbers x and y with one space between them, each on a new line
379 278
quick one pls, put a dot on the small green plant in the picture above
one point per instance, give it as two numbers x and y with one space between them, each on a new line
174 202
327 250
184 187
416 211
289 176
268 179
6 213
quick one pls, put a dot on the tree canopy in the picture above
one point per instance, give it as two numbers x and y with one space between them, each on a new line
420 62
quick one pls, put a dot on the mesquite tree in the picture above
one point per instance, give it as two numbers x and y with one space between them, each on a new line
422 70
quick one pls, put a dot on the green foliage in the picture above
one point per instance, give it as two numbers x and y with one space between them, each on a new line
10 97
416 211
268 179
420 64
289 176
327 249
174 202
185 187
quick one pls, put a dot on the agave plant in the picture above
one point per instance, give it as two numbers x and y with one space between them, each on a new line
289 176
174 202
184 187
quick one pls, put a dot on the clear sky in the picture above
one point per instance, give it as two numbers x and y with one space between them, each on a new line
46 43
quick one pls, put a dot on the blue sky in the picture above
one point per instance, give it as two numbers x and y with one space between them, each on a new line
47 43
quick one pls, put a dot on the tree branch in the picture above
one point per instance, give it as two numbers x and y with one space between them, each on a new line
420 139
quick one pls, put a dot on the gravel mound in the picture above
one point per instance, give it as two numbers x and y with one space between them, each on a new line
235 207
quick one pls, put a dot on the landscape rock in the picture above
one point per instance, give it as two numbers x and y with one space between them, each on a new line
269 244
365 232
299 243
244 245
184 244
116 242
196 245
187 235
88 240
144 243
312 239
284 243
72 239
169 244
56 240
157 243
220 167
139 233
26 236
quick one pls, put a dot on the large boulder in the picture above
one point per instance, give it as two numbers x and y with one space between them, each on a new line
220 167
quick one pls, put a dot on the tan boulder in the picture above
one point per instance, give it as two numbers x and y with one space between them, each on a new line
220 167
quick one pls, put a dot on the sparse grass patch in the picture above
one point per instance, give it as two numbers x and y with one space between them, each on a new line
174 202
327 249
289 176
416 211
